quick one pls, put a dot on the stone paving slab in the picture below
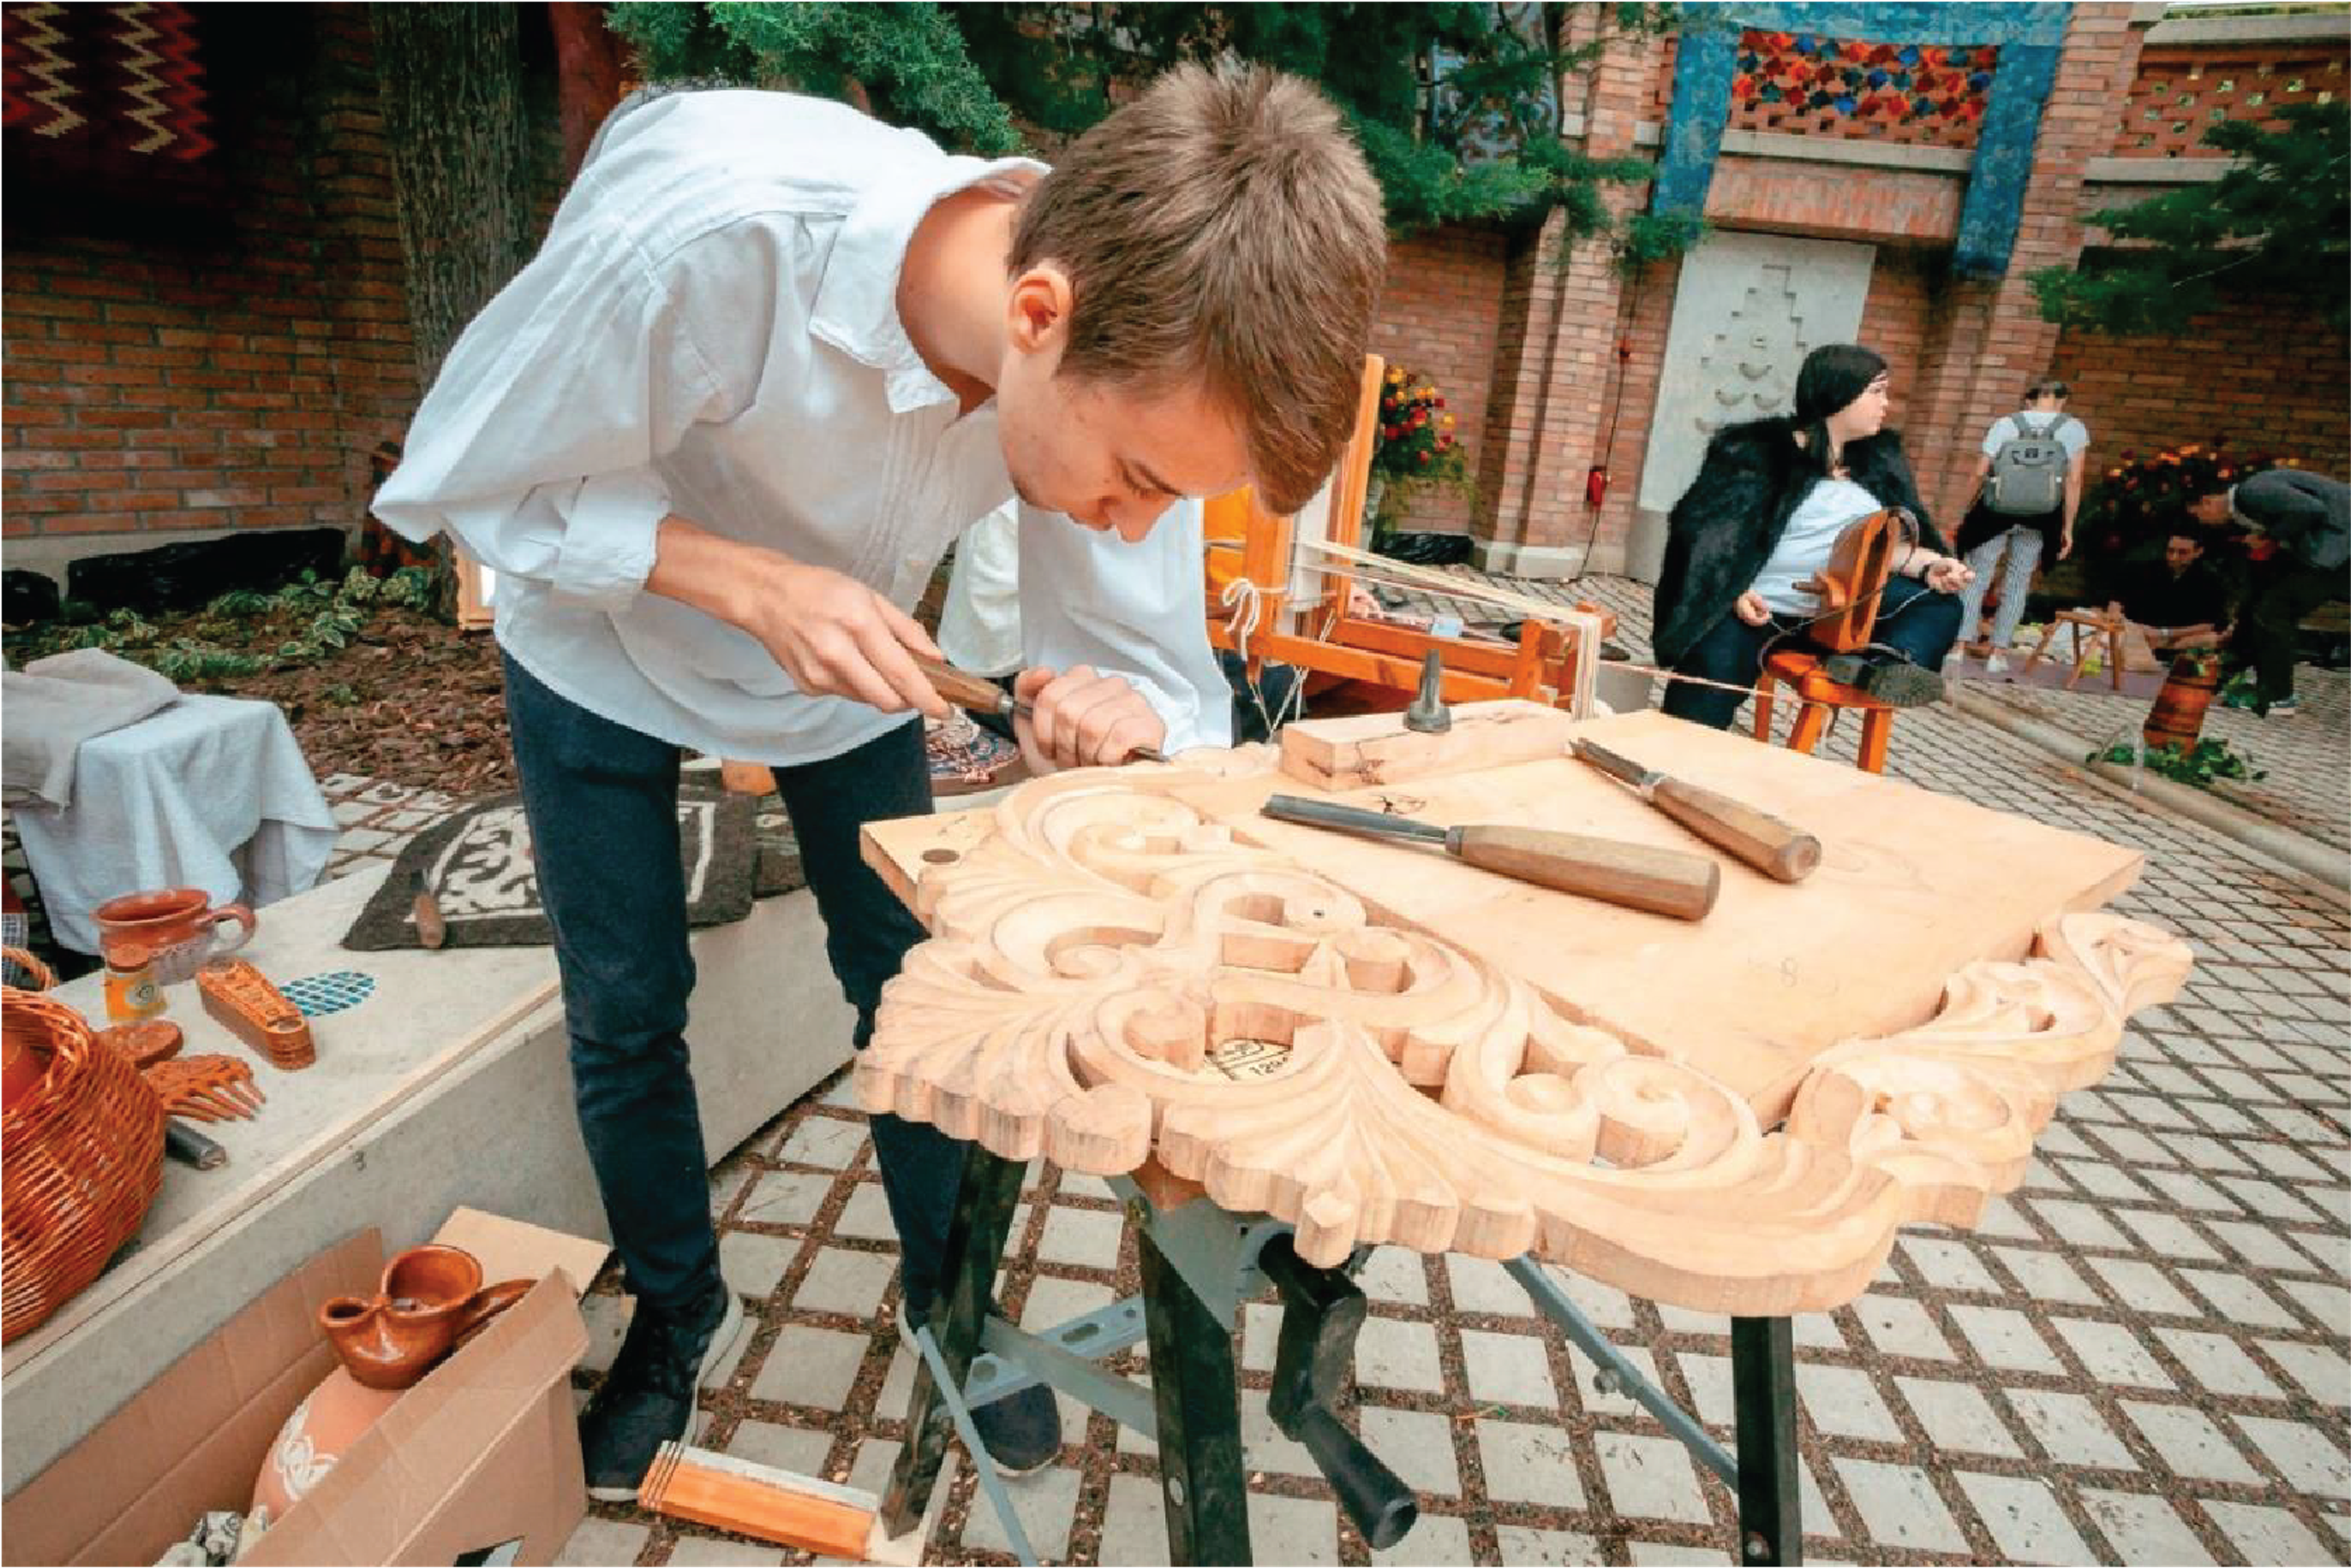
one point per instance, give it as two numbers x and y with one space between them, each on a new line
2306 758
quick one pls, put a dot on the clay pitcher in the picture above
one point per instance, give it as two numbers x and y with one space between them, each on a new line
2177 716
330 1419
178 926
430 1298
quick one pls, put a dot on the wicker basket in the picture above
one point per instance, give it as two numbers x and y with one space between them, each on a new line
81 1156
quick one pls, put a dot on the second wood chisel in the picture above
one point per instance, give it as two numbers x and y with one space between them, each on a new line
1639 876
1760 839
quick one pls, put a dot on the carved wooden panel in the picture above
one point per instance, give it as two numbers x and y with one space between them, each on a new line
1115 978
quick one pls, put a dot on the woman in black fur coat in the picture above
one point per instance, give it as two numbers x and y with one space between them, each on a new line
1763 516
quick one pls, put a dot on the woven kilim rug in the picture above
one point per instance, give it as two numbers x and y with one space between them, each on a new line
734 848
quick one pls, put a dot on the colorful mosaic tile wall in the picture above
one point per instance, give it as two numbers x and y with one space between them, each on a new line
1925 95
2181 94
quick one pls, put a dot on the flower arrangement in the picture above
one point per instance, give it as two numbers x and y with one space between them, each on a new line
1417 438
2139 494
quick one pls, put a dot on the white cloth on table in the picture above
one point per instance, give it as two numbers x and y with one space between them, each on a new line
210 792
55 704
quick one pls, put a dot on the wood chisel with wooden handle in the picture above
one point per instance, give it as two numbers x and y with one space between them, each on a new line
965 689
1639 876
1760 839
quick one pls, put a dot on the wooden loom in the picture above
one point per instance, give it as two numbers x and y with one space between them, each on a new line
1554 662
1853 582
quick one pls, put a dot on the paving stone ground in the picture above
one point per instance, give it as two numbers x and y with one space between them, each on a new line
2143 1355
2305 757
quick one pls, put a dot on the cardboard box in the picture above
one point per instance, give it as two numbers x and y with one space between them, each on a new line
479 1461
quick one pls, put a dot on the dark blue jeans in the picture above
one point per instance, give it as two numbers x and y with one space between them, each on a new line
602 803
1913 620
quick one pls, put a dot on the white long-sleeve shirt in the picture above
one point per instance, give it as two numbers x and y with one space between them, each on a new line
711 329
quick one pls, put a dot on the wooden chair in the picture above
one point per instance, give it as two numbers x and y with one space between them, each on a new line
1320 633
1800 669
2093 630
1849 588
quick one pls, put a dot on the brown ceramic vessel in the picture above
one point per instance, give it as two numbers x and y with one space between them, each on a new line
429 1299
178 926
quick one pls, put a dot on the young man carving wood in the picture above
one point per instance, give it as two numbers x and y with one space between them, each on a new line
715 438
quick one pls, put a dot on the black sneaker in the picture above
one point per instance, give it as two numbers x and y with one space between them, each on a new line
1897 682
1022 1431
647 1399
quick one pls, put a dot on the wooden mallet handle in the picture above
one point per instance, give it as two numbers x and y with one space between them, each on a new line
1639 876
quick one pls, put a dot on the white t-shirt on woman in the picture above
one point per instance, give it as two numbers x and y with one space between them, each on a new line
1829 507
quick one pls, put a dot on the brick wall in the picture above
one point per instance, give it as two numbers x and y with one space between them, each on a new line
2262 373
230 374
1439 318
1897 320
1630 397
1553 406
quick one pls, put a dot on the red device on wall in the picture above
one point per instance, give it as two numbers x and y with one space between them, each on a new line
1595 485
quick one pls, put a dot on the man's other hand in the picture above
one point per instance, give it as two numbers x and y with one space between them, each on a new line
1082 718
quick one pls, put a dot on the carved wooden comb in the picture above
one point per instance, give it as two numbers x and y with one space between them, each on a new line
206 1088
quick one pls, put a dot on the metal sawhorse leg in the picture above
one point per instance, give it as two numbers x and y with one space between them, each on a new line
1199 1264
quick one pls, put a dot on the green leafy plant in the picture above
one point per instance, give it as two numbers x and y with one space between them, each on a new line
1457 107
907 62
243 604
2281 218
241 632
2198 765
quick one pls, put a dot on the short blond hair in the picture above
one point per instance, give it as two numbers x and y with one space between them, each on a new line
1223 229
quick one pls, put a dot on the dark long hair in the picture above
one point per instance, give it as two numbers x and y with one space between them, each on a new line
1834 375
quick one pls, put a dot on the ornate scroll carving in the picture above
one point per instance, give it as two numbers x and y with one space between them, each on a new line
1114 978
1950 1109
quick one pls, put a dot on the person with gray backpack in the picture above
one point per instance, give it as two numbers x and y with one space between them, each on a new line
2028 485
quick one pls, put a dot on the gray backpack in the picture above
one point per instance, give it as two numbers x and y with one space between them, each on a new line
2028 471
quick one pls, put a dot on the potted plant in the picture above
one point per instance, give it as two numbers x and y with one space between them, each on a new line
1416 446
2128 510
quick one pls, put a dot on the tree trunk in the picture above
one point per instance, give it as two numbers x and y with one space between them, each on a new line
450 81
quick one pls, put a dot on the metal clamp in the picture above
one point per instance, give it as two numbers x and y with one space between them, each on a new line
1322 1312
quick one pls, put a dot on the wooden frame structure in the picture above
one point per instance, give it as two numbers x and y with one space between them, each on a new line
1550 663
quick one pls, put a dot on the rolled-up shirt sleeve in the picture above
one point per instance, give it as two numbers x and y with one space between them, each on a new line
537 447
1137 611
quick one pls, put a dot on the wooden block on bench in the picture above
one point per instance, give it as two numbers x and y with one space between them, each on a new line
256 1012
